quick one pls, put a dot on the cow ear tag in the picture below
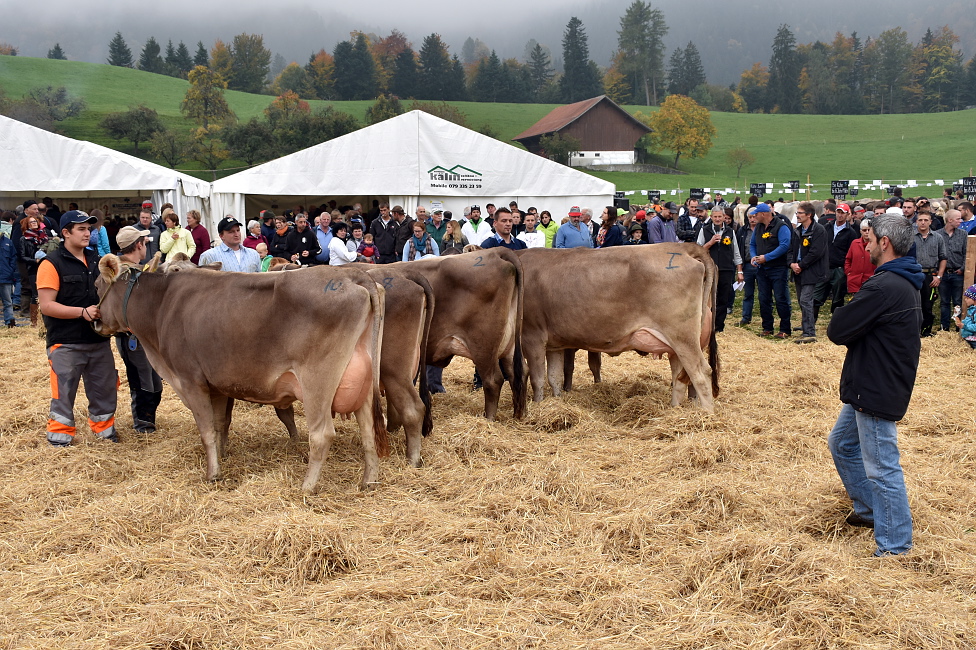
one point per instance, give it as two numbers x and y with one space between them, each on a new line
133 343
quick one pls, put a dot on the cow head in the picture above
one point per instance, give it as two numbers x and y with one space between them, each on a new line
112 277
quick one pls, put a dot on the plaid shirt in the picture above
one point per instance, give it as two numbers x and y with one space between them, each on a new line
245 259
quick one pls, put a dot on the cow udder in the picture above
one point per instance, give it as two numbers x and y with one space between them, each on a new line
356 382
649 341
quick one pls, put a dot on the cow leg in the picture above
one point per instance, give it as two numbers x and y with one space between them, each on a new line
554 363
393 417
321 433
223 408
371 460
406 403
678 388
569 368
287 418
596 363
201 407
535 355
696 365
491 378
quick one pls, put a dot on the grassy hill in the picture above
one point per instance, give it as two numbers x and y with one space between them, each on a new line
786 147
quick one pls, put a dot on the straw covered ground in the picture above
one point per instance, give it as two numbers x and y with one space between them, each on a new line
607 519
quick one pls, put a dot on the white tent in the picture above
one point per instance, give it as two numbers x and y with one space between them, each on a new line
412 159
37 163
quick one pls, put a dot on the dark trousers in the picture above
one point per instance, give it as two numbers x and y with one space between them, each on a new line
145 385
808 313
722 303
929 295
834 287
950 294
748 291
435 379
772 283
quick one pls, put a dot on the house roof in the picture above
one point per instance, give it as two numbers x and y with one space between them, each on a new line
562 116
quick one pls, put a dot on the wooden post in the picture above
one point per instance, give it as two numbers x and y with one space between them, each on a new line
967 276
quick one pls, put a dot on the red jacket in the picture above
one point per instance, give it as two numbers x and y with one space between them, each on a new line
857 265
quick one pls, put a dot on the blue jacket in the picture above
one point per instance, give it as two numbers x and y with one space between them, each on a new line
570 236
8 261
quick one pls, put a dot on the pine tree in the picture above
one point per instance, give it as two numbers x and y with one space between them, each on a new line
456 87
170 58
149 60
201 57
694 70
435 66
784 72
119 53
487 81
676 72
540 68
403 82
580 80
641 39
56 53
183 61
355 70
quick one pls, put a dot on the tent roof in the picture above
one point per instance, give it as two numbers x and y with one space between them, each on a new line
41 161
413 154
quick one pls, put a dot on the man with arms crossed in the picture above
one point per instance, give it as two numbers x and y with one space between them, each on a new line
880 329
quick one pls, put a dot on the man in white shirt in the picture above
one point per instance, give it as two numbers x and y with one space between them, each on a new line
532 237
476 230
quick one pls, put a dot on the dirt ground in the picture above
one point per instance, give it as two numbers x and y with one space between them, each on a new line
606 519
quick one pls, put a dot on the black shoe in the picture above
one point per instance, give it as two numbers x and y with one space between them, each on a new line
858 521
55 443
743 321
11 323
112 438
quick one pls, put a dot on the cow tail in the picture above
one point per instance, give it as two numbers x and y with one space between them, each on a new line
711 295
428 424
380 436
519 384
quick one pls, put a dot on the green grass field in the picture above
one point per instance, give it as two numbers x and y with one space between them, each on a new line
786 147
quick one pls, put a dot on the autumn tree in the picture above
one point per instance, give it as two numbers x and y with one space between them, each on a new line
251 141
173 147
293 78
137 125
204 100
221 59
753 88
320 74
385 52
641 40
250 64
119 53
738 158
681 126
384 108
44 106
209 149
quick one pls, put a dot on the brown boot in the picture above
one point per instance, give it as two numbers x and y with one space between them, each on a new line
33 314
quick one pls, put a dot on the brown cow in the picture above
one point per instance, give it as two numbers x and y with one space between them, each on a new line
478 316
653 299
201 330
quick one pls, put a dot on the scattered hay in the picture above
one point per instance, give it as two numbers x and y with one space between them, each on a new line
606 519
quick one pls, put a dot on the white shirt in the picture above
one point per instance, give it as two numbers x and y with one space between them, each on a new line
339 254
533 239
476 236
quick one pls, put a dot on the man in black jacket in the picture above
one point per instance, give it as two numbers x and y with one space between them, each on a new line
880 329
840 236
810 267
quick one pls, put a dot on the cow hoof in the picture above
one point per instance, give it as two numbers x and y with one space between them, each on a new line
416 464
368 487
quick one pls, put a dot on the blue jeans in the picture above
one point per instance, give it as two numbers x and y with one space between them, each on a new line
6 297
748 291
865 452
950 294
772 281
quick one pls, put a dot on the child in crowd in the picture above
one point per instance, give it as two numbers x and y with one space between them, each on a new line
367 249
636 234
262 250
967 325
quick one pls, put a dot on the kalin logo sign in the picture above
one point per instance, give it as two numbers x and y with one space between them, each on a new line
457 177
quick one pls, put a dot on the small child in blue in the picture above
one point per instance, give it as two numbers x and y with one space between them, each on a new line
967 325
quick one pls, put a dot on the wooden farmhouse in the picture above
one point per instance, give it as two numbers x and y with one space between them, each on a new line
607 133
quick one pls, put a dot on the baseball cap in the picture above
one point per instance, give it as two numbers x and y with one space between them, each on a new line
895 210
226 224
438 211
621 212
641 214
762 207
575 211
267 214
859 208
75 216
147 204
671 206
476 207
843 207
130 234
